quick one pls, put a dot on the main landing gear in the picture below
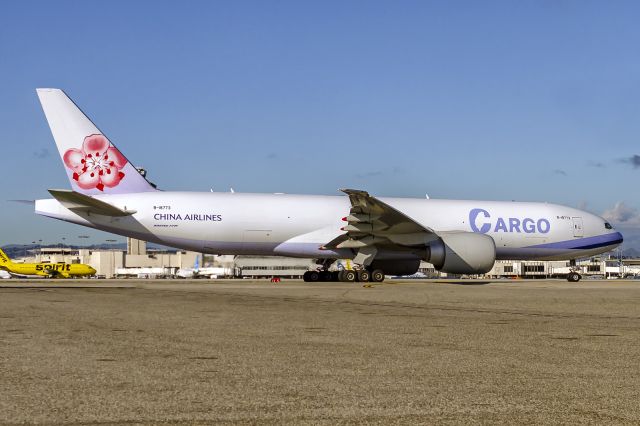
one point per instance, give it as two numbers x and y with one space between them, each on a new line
346 275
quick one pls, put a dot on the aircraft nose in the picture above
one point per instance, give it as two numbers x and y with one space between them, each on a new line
619 237
614 238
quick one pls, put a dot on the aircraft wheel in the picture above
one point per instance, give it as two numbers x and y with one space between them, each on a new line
573 277
325 276
377 276
314 276
364 276
347 276
305 277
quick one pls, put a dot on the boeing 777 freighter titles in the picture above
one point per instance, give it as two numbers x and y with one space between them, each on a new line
380 235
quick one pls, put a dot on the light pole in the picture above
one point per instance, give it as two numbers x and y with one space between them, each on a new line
621 268
113 257
82 237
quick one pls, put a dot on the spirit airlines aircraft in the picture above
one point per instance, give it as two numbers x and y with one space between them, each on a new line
380 235
52 270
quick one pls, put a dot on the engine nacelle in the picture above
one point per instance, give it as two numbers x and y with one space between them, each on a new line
462 253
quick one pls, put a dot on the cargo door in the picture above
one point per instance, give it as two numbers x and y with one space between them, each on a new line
577 227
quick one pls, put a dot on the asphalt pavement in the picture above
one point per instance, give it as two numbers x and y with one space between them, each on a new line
402 352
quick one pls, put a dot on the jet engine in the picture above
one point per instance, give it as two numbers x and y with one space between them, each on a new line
462 253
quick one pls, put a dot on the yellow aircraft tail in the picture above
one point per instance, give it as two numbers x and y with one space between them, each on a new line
4 259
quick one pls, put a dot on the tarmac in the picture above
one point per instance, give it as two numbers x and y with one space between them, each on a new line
247 352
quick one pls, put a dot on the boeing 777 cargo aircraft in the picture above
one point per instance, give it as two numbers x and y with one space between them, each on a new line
380 235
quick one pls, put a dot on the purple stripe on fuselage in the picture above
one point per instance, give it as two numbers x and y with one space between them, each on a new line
584 243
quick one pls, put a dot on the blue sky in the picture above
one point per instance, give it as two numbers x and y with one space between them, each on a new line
488 100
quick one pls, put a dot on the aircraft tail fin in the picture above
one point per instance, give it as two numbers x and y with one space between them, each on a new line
93 164
4 259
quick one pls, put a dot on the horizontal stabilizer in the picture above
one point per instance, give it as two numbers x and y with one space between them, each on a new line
77 202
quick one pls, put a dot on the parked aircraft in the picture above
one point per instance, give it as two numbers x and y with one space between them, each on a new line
206 272
380 235
44 269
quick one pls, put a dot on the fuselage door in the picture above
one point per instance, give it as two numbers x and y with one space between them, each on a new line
577 227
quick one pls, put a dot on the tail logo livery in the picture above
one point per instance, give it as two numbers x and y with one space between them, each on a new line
510 224
93 164
3 258
97 164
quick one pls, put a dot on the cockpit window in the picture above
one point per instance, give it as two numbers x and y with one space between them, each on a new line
608 225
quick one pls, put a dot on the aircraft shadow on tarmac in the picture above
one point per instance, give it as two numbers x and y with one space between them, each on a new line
467 282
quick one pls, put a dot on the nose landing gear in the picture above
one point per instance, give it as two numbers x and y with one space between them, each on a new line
573 276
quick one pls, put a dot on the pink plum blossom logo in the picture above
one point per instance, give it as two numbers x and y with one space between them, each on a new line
97 164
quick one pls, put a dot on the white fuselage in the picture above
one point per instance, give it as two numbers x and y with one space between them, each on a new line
299 225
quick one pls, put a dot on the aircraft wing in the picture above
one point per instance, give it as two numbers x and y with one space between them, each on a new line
77 202
371 222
